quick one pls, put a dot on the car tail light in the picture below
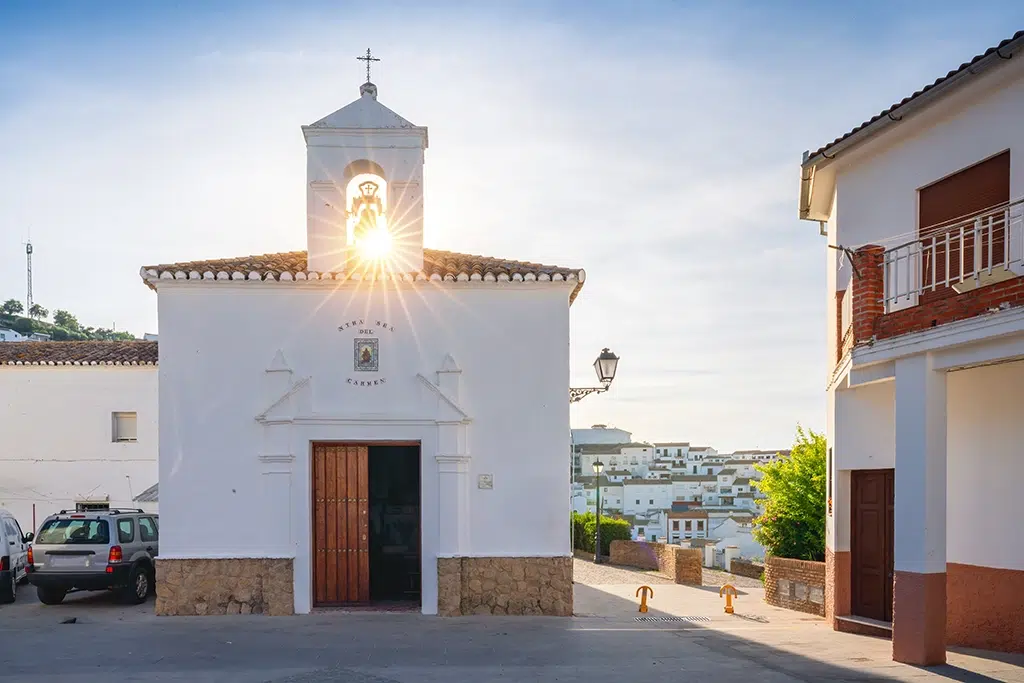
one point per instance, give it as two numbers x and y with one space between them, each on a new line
115 555
5 563
31 559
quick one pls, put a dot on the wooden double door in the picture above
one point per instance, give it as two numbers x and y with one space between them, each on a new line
871 543
341 536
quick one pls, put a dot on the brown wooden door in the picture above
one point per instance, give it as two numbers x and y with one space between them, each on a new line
944 204
341 545
871 543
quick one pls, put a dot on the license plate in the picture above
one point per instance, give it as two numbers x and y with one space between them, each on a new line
73 561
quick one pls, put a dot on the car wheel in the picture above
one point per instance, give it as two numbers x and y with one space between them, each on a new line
137 589
50 595
9 594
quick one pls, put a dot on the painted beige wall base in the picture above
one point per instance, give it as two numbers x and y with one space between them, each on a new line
190 587
504 585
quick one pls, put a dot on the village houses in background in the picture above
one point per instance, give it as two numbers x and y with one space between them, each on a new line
672 492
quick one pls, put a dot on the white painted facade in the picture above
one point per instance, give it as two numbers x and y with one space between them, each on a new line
894 404
938 405
57 435
239 412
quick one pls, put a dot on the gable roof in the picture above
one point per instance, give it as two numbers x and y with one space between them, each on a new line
447 266
364 113
994 53
78 353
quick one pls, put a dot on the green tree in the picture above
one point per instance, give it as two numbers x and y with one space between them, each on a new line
62 318
792 523
37 312
12 307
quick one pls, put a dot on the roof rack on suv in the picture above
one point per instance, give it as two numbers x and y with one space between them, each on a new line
105 511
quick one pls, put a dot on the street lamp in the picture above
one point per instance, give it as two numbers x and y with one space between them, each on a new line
605 366
598 469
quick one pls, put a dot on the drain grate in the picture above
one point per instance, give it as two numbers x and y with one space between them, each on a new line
672 618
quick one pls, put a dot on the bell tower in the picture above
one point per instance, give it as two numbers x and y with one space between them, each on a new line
364 193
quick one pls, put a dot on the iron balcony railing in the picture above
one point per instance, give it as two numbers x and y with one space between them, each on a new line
962 255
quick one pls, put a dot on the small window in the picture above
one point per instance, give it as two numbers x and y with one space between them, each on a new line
675 525
125 427
147 529
700 525
125 530
687 526
637 501
651 502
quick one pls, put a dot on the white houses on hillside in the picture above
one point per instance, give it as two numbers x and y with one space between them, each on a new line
78 424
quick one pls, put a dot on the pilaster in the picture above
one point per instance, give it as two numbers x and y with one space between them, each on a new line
919 538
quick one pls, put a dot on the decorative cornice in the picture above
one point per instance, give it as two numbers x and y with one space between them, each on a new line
277 457
207 277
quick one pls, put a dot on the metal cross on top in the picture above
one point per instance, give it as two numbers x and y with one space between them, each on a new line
368 58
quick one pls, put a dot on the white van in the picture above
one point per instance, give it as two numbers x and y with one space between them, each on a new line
13 556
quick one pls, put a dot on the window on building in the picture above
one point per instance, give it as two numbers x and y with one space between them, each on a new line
686 527
654 538
700 525
125 427
675 525
651 502
90 505
637 501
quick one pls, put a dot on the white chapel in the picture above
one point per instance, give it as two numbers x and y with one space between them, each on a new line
393 430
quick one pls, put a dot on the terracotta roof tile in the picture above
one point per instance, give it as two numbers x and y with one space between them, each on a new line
79 353
443 265
888 111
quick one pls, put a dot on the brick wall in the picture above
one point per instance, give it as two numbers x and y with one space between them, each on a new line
747 568
871 322
795 584
682 565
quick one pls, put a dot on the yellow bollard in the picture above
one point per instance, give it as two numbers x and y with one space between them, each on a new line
641 593
729 592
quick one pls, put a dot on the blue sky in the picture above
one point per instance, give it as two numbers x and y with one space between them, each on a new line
656 145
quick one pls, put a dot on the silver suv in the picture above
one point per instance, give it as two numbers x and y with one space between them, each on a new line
95 550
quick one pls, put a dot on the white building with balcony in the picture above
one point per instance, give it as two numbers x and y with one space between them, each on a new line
922 206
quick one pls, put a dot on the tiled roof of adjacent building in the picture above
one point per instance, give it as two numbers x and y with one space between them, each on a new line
607 448
891 109
150 495
437 265
79 353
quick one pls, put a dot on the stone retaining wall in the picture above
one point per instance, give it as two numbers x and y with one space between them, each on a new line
682 565
795 584
504 585
190 587
748 568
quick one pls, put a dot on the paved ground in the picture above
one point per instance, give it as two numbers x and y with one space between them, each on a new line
759 643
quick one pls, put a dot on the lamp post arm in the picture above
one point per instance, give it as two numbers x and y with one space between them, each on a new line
579 393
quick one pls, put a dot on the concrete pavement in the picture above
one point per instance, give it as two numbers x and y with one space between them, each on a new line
110 642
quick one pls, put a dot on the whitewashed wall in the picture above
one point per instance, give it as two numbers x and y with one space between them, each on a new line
985 466
512 343
56 437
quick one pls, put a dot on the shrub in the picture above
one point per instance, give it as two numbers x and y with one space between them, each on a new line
585 527
792 523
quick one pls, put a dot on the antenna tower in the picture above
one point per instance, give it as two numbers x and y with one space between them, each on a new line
28 270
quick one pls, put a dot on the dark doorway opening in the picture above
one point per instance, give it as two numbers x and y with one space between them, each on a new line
871 542
394 488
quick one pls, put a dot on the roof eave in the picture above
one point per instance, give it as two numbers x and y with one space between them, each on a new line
810 164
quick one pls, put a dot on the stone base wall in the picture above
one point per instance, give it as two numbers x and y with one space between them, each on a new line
190 587
747 568
838 585
795 584
682 565
504 585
